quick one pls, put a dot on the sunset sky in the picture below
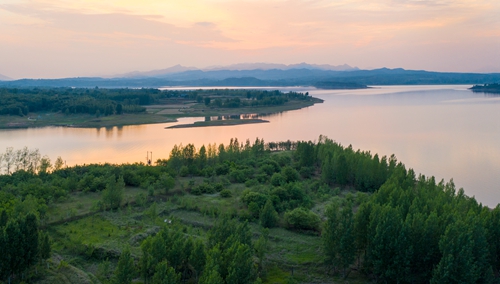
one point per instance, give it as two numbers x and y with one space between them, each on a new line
66 38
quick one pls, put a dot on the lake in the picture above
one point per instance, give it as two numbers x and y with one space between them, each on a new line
445 131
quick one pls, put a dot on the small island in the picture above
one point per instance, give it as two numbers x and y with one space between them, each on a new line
487 88
98 107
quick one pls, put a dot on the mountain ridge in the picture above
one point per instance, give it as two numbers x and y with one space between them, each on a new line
272 77
4 78
233 67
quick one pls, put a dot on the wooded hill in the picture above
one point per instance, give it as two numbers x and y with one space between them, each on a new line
283 212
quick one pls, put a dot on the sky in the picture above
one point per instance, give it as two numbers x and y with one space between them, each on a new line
71 38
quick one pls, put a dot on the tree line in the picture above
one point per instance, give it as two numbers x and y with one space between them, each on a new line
118 101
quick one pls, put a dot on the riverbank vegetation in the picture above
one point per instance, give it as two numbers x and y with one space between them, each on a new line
37 107
281 212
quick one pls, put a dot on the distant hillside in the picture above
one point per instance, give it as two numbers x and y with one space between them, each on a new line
4 78
273 77
156 73
249 69
269 66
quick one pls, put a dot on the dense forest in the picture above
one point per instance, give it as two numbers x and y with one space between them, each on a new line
118 101
374 220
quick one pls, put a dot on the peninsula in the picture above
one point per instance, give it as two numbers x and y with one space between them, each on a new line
98 107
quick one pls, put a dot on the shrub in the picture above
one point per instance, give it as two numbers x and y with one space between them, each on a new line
277 179
218 186
196 191
251 182
290 174
225 193
302 219
184 171
252 196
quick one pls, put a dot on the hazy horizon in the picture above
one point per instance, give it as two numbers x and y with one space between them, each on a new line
56 39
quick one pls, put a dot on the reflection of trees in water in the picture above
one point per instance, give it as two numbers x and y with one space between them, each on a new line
110 131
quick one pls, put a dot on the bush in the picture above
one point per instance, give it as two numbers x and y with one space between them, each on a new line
196 191
254 209
206 188
306 172
252 196
302 219
222 169
290 174
225 193
184 171
218 186
277 179
251 182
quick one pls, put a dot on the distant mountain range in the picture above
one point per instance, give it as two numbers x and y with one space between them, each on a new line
269 66
4 78
155 73
235 67
293 76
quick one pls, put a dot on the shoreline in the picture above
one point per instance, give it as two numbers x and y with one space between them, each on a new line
150 117
230 122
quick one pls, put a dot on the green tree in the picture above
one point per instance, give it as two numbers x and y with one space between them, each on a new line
45 248
165 182
165 274
241 268
211 273
289 174
29 233
14 248
207 101
341 170
327 173
198 257
59 163
464 254
268 215
112 196
119 109
45 165
124 272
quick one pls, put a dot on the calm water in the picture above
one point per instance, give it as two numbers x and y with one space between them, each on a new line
445 131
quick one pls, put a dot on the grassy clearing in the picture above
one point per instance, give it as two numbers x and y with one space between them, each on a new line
85 238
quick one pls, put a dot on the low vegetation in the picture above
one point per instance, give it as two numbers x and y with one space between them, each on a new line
286 212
